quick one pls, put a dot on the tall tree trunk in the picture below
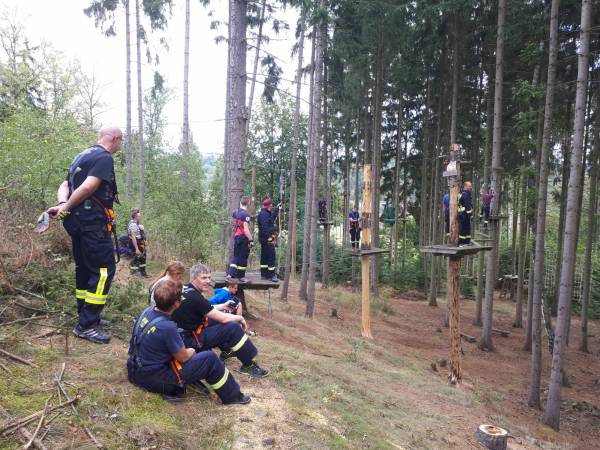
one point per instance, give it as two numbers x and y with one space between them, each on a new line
256 58
552 413
396 189
308 191
486 343
320 40
376 160
325 166
290 256
591 228
128 149
540 227
515 221
140 108
433 275
487 156
518 323
185 135
236 121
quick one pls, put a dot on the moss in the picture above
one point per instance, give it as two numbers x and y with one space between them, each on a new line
149 410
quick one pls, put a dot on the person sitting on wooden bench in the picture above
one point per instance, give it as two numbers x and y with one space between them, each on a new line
206 326
160 362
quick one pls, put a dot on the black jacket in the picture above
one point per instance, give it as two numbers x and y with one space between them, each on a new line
266 224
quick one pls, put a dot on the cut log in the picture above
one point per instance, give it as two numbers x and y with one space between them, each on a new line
502 333
492 437
468 338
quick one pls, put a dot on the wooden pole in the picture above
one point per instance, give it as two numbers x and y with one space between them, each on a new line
454 270
365 244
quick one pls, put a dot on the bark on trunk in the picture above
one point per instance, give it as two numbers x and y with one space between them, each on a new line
140 108
592 214
309 166
540 227
237 115
518 323
185 134
486 343
552 412
290 256
256 58
128 149
316 143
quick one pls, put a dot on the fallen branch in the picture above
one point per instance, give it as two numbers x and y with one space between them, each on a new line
30 293
62 389
502 333
17 358
24 434
47 333
468 338
12 426
39 425
5 368
48 422
26 319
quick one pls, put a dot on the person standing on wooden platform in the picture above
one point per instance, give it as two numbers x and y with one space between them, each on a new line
354 227
446 202
322 210
267 235
465 213
243 241
486 202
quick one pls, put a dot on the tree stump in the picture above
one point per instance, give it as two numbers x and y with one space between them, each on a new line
492 437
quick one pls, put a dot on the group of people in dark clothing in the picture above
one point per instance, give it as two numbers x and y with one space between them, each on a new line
465 211
172 340
243 240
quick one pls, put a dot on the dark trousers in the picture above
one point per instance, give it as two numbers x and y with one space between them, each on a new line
464 228
227 336
267 259
139 262
93 252
202 366
485 212
355 237
241 251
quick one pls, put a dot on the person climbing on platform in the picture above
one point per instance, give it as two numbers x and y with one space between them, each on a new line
267 236
173 272
85 202
486 198
353 218
465 214
322 210
446 203
206 326
160 362
137 241
227 295
243 241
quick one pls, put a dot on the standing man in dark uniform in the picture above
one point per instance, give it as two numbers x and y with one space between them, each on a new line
267 234
85 202
465 213
242 241
353 217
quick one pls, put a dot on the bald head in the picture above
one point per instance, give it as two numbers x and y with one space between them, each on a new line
468 186
110 138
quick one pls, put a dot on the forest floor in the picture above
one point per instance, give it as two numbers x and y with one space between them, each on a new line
329 388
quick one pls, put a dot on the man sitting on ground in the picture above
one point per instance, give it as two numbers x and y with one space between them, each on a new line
206 326
160 362
227 295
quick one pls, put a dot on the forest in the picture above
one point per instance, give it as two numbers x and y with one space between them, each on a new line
409 341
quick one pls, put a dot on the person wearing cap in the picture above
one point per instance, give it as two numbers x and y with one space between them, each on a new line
267 234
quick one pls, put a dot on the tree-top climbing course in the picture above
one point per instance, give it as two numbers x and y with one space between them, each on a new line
348 213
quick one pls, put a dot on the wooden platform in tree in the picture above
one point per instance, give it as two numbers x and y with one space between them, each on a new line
326 223
500 217
256 282
366 251
451 250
